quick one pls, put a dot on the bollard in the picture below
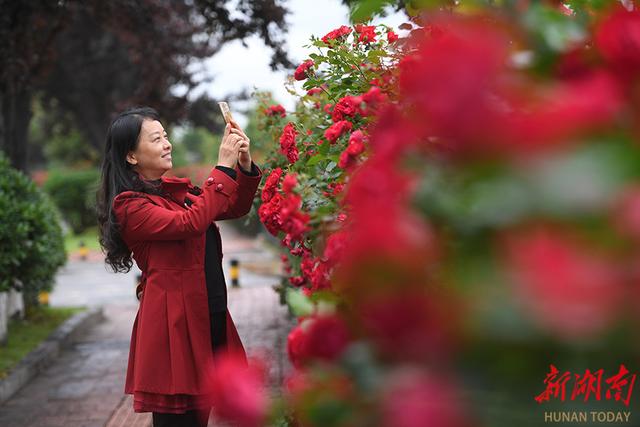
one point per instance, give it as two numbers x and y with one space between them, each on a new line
83 251
235 272
43 298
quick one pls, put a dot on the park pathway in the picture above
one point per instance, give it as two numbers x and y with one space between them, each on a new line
84 386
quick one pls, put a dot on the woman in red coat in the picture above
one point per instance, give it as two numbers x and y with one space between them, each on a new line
167 226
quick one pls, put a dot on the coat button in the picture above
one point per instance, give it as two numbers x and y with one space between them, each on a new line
209 181
219 187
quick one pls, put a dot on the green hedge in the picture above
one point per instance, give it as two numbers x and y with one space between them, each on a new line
31 242
74 192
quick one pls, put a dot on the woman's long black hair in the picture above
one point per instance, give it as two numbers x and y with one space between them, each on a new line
118 176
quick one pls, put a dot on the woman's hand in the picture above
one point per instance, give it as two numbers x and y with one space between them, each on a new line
229 147
244 155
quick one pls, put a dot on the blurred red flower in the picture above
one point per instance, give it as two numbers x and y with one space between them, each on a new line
322 337
238 391
459 90
408 325
627 212
568 289
618 40
373 98
414 398
274 110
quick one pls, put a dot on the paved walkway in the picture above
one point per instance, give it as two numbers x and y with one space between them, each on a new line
84 386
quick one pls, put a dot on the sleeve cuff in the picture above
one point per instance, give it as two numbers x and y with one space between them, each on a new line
231 172
254 170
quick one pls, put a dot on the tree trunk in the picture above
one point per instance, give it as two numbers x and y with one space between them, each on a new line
4 318
15 115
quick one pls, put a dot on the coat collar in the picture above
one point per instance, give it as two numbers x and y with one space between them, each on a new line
175 186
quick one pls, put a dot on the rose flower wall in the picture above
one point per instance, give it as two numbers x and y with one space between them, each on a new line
459 209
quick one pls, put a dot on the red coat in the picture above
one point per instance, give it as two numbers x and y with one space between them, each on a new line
170 341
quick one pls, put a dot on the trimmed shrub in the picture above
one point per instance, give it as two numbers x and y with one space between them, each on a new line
31 241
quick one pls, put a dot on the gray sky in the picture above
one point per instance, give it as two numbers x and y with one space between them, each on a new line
236 67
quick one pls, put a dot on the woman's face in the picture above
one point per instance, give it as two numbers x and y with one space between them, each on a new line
152 157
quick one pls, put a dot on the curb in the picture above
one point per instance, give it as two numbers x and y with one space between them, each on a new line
42 356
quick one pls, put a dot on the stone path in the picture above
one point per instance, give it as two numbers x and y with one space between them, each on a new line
84 386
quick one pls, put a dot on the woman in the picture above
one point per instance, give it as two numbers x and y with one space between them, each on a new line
166 226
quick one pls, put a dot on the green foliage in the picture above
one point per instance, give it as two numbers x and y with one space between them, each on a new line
74 194
56 141
31 248
88 237
70 149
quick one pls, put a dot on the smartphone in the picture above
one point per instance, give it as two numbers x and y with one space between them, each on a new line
226 113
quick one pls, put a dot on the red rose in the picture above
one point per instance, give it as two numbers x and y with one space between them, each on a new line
296 346
314 91
355 147
275 110
307 264
392 37
367 33
320 277
289 183
293 222
347 106
336 130
271 185
336 34
303 69
288 143
335 246
346 161
297 281
269 214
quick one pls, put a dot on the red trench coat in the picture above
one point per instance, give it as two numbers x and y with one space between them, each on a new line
170 342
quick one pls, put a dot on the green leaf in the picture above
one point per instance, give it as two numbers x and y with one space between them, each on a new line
299 303
364 10
314 160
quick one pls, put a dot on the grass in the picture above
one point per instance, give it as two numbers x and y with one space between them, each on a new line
25 335
89 237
